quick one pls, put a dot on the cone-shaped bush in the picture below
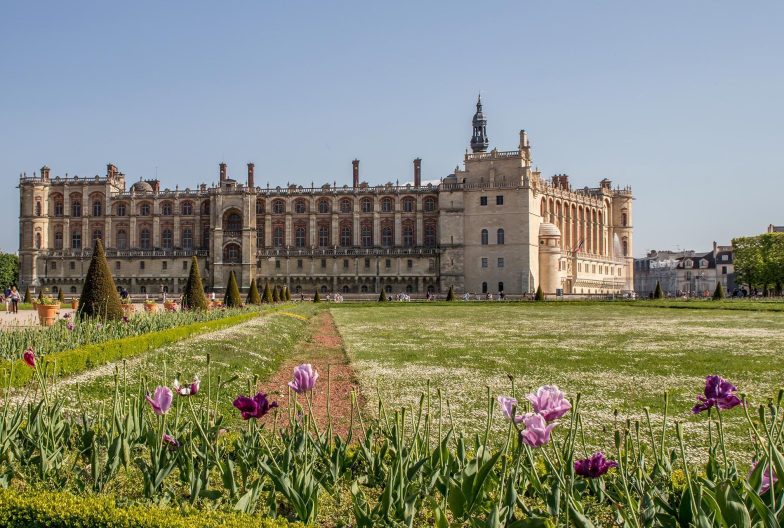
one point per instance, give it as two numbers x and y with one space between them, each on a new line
539 294
99 294
61 296
658 293
267 297
383 296
718 293
288 294
27 299
316 297
450 296
275 294
193 297
40 295
232 298
253 294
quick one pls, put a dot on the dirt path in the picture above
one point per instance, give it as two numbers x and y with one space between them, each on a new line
323 349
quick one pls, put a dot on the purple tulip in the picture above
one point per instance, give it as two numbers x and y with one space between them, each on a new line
70 326
255 407
29 357
305 377
125 319
718 393
537 431
550 402
67 316
594 466
508 406
161 400
765 484
187 390
169 439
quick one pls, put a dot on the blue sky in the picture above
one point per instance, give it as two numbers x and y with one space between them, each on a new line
680 100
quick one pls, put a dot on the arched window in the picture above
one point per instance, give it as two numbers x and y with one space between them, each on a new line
388 288
186 208
144 209
363 289
387 205
484 287
166 209
143 289
97 208
37 208
277 236
625 244
144 238
300 207
58 240
122 239
278 207
624 219
205 207
167 240
430 235
387 236
346 289
366 205
121 210
346 206
232 254
500 287
73 289
97 235
484 237
76 240
38 241
324 289
429 204
366 234
408 235
76 208
499 237
408 205
187 238
234 222
323 206
259 207
299 236
346 235
323 235
58 208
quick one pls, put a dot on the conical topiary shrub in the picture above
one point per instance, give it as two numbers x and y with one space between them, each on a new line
275 294
286 294
232 298
450 296
718 293
40 295
658 293
316 297
60 296
267 296
99 294
27 298
193 296
253 294
383 296
539 294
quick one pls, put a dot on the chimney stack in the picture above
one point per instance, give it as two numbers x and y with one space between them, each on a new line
355 165
111 170
417 172
222 172
45 172
251 183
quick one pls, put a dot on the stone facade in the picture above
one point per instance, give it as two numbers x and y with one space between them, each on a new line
686 272
494 225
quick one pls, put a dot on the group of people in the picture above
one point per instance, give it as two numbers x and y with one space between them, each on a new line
12 298
484 296
334 297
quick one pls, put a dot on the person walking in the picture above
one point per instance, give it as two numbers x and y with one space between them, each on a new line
14 300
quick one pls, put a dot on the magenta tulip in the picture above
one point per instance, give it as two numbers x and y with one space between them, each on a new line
550 402
718 393
537 431
188 389
255 407
508 406
305 377
29 357
169 439
594 466
765 484
161 400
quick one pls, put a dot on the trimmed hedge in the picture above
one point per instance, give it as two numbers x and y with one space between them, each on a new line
50 509
79 359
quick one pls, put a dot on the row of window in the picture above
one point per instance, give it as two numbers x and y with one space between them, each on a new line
121 239
499 200
485 237
118 265
486 262
145 209
347 264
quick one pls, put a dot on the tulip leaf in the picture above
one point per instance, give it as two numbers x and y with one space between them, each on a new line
732 508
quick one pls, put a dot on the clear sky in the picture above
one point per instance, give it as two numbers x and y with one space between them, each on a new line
680 100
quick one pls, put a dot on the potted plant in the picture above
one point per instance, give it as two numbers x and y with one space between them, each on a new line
74 303
170 305
127 306
150 306
47 307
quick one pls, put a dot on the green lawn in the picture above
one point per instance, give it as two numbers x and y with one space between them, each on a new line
618 356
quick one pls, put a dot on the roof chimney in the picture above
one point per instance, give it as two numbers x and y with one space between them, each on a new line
355 165
45 172
417 172
251 183
222 172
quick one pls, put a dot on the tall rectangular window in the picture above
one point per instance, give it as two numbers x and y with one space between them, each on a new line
499 200
483 200
500 262
484 262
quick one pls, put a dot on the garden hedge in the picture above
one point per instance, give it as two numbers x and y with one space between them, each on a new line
79 359
49 509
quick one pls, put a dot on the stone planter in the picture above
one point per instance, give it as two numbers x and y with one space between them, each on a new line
128 309
150 307
74 304
47 313
170 306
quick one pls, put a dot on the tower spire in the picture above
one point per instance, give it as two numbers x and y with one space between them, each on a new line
479 139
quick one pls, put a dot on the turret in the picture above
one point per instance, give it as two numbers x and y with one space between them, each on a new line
549 258
479 139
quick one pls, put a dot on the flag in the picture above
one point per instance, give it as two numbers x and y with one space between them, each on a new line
579 247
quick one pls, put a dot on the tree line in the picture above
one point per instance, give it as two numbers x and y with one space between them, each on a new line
759 262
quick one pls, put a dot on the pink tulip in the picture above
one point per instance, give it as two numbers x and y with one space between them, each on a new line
169 439
765 483
550 402
29 357
537 431
161 400
305 377
508 406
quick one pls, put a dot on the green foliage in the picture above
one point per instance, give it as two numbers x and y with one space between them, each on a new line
316 297
232 299
61 296
759 261
99 294
59 509
539 294
9 270
286 294
382 297
275 294
450 296
193 297
27 299
718 293
253 294
40 295
267 296
658 293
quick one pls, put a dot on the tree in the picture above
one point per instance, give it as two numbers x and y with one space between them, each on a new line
275 294
99 293
287 294
253 294
450 296
193 296
718 293
26 298
539 294
383 296
267 297
232 298
316 297
61 296
759 261
9 270
658 293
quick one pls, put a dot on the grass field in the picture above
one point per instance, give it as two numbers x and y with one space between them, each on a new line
619 357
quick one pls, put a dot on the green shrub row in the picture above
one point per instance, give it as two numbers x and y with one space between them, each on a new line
79 359
49 509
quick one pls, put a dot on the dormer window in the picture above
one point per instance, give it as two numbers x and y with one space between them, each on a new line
688 264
